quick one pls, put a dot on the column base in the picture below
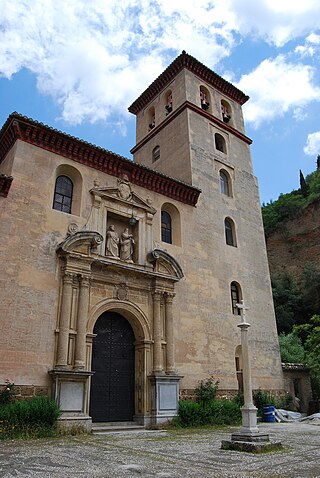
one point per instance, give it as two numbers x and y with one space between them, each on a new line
249 420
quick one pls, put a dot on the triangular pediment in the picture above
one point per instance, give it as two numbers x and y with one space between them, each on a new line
127 196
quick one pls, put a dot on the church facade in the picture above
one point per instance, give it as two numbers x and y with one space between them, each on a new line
119 278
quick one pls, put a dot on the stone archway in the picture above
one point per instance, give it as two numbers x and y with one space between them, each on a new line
113 363
120 352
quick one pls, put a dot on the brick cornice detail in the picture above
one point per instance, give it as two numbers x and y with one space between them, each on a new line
198 110
192 64
30 131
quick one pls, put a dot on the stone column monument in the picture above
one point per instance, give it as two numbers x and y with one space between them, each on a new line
248 438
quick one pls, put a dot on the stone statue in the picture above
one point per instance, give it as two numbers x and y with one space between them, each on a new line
112 247
126 246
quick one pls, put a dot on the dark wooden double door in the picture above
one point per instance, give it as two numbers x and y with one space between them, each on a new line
112 385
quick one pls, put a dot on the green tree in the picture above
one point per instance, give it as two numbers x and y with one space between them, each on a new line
310 289
291 348
303 185
309 334
287 302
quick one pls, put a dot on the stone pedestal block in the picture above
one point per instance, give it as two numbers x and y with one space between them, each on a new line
165 397
70 391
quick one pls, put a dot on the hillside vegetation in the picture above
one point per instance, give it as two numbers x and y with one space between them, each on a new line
297 302
291 205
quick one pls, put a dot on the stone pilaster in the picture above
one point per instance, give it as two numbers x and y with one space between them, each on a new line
64 321
157 352
170 369
83 305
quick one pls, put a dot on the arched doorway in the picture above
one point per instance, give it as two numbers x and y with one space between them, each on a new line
112 385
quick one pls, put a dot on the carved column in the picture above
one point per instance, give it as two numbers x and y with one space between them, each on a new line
83 305
65 312
157 352
169 334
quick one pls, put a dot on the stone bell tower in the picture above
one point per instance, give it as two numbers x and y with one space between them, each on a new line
190 127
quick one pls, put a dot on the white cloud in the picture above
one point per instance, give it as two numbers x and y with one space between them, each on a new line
312 147
95 58
310 47
275 87
313 38
277 21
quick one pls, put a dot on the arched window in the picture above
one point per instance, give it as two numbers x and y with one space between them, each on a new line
225 183
204 98
220 143
235 297
156 154
166 227
229 232
168 105
63 192
225 111
170 224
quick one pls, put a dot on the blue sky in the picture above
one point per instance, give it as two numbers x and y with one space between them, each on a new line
77 65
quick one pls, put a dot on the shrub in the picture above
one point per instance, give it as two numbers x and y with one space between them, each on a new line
214 412
206 390
28 418
222 412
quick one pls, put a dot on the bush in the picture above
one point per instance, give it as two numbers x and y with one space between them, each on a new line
28 418
206 390
190 413
291 349
222 412
214 412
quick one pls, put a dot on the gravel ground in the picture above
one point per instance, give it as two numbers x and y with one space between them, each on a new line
164 454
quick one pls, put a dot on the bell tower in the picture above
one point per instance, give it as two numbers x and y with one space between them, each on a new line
190 127
186 110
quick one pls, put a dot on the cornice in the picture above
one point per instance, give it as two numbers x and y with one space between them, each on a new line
35 133
192 64
200 111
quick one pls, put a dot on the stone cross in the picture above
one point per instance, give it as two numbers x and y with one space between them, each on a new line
242 309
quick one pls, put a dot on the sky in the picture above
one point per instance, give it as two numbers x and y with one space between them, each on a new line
76 65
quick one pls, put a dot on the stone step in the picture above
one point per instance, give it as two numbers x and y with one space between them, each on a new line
108 427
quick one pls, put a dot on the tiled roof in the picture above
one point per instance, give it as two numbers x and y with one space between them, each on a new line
187 61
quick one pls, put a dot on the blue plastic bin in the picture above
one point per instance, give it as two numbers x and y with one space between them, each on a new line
269 415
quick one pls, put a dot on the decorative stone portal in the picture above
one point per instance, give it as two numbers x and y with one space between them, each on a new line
113 367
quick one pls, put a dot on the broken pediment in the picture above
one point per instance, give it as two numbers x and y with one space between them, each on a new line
81 242
164 263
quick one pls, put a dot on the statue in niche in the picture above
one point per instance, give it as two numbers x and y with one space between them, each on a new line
126 246
112 247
